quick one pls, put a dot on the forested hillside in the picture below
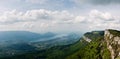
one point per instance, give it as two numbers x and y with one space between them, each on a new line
95 48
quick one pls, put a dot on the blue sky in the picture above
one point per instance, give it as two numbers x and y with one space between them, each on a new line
59 15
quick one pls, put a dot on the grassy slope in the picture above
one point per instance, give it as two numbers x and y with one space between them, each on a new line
96 49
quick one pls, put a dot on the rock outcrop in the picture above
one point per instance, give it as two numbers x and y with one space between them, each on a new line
86 39
112 38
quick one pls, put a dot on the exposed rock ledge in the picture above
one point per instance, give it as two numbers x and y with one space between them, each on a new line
113 43
86 39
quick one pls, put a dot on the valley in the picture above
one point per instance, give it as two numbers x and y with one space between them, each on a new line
92 45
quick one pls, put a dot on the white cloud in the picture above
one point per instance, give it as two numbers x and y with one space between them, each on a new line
103 20
34 15
97 2
37 1
102 15
46 20
80 19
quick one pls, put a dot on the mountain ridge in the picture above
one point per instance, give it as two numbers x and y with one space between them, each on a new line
97 48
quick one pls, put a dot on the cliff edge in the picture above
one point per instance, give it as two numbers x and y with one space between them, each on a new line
112 38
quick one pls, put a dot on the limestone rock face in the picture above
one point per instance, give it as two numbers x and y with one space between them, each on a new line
113 43
86 39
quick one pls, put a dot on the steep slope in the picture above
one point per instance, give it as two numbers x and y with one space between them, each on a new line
106 46
112 38
96 49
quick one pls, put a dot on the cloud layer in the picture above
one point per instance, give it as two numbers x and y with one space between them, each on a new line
77 1
48 20
14 16
97 2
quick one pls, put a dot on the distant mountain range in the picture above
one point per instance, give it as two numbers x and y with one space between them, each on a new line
22 36
19 42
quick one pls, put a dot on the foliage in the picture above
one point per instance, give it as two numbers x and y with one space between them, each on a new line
96 49
114 32
56 52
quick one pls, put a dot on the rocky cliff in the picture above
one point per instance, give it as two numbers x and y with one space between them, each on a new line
112 38
93 45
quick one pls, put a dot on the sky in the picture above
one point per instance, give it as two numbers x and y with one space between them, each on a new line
59 15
